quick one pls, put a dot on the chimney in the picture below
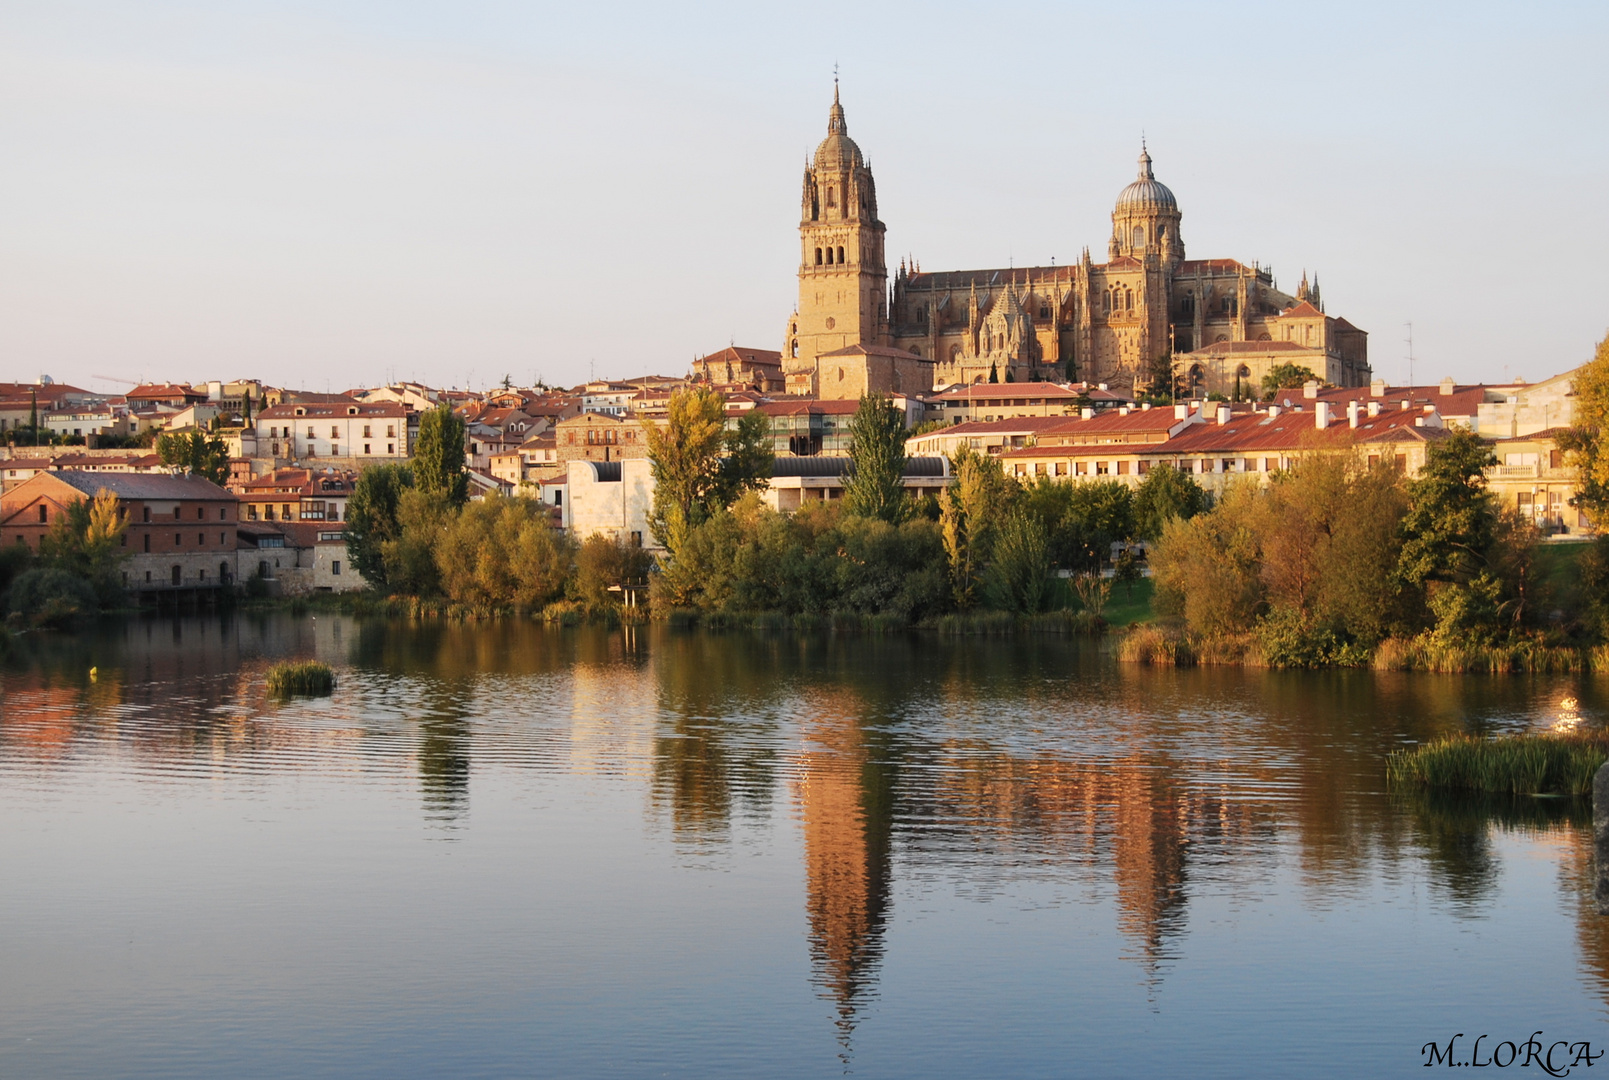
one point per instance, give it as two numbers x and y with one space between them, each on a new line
1181 411
1273 411
1321 415
1374 408
1352 414
1223 414
1447 386
1403 404
1310 389
1377 388
1145 406
1086 413
1123 410
1102 386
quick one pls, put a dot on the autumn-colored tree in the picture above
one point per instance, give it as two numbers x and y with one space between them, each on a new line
685 455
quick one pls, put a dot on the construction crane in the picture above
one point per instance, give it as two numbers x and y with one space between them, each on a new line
108 378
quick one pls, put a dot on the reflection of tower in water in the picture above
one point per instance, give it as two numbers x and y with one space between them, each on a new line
844 798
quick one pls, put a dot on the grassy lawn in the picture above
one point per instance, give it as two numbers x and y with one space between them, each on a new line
1124 608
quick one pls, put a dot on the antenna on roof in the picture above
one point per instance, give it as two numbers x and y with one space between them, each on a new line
1409 325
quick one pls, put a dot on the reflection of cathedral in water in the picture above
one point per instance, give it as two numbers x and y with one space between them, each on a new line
843 794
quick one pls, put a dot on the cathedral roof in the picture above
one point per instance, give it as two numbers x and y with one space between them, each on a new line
1146 191
837 150
1302 310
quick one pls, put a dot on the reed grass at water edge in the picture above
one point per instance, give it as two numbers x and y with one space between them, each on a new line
1539 764
307 677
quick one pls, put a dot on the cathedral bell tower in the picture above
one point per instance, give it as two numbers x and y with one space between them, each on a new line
843 281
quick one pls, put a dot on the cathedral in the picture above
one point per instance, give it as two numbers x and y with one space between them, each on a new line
1218 324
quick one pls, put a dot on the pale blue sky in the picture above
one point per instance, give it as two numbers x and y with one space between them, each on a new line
331 194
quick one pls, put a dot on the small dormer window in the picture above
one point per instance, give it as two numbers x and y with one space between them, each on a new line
351 410
300 411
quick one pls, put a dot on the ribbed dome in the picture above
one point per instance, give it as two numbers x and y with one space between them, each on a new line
837 150
1146 191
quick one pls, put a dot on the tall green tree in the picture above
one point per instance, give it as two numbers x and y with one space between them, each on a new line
194 450
86 542
971 510
1449 527
1583 441
749 457
438 457
875 486
371 519
685 456
1164 494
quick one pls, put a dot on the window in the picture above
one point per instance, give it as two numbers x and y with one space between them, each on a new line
390 448
335 567
829 256
1100 468
178 540
285 512
365 449
148 573
636 539
818 256
335 449
840 254
1122 468
201 539
365 431
310 435
558 497
44 514
391 431
1139 236
148 551
335 432
221 539
178 574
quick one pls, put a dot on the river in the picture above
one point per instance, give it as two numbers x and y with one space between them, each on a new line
505 850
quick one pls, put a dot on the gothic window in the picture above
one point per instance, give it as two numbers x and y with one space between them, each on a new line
840 254
1108 300
832 197
1187 306
1128 299
1139 236
1044 311
795 348
829 256
818 256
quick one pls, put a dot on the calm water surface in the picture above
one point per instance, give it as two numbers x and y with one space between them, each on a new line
510 851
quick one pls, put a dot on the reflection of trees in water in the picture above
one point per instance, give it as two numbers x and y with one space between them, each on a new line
714 743
444 765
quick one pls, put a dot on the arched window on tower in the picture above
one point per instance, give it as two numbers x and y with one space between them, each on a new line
1128 299
818 256
1139 236
829 256
832 198
796 348
840 254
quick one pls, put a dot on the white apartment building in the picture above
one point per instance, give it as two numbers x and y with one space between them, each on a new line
335 430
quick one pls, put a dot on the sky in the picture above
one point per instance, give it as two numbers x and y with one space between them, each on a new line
334 194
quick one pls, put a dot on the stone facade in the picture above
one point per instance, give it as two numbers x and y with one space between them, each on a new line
1144 310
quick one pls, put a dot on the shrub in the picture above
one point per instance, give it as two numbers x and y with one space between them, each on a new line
53 599
1288 639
